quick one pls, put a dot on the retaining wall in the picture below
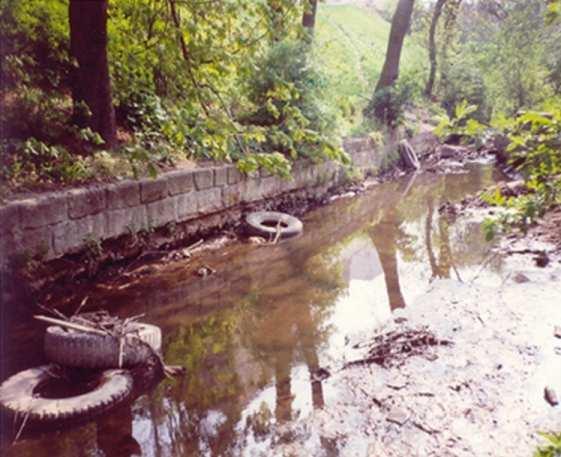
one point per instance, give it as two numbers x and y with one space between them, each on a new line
53 224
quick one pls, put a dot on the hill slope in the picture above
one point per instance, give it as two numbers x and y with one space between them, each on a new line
350 47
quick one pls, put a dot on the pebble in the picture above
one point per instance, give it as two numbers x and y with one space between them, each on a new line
551 396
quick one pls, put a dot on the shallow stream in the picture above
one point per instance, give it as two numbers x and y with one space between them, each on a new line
252 334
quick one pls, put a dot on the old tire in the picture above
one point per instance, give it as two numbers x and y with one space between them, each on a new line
87 350
265 223
20 396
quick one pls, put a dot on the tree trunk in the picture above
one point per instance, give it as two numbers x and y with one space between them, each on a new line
90 82
309 16
400 26
432 46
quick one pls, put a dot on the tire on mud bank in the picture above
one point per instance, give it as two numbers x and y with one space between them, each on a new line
88 350
20 395
265 223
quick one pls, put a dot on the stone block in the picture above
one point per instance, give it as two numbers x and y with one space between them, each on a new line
221 176
71 235
288 185
161 212
234 175
10 245
180 182
233 194
43 210
152 190
204 178
209 201
86 201
9 217
187 206
123 194
36 242
122 221
271 186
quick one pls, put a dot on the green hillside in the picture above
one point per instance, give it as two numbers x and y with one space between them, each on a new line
350 47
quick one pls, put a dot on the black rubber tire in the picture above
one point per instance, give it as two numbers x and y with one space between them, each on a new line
88 350
291 226
18 396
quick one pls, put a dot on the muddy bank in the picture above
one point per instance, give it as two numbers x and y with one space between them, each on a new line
483 395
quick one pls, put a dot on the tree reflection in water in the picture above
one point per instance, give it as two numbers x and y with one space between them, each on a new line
253 335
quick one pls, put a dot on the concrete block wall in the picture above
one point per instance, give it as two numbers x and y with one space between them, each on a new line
53 224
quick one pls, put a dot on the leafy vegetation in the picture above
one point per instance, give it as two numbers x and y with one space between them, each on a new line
535 142
553 449
228 83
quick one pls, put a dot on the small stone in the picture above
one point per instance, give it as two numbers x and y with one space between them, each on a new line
557 331
542 260
320 374
551 396
256 240
520 278
398 416
205 271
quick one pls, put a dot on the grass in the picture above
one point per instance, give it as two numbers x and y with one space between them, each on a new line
350 47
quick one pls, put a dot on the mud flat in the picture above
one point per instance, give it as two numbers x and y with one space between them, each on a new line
483 395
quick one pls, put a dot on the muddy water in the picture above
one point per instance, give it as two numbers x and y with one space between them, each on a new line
254 335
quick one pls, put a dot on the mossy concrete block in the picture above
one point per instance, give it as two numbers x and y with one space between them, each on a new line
86 201
127 220
123 194
209 200
180 182
187 206
161 212
43 210
221 176
204 178
152 190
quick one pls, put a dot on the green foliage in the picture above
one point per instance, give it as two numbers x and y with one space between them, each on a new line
35 161
287 92
535 142
464 82
388 104
514 57
553 448
461 124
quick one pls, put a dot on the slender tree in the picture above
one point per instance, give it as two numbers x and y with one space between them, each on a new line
90 82
432 46
309 16
400 25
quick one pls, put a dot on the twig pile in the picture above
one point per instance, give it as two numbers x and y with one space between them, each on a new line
391 349
104 324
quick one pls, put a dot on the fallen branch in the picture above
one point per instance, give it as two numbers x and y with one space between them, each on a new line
70 325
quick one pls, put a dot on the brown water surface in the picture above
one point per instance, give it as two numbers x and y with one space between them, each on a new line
253 335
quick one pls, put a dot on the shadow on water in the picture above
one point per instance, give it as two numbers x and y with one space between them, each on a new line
254 336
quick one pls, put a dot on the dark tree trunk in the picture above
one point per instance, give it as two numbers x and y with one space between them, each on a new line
91 83
309 16
432 46
400 26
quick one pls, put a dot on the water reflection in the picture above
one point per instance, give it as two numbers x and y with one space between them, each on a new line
253 336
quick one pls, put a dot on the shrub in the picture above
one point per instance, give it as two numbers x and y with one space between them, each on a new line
388 104
286 91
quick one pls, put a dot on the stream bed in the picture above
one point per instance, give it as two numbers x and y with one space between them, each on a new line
256 336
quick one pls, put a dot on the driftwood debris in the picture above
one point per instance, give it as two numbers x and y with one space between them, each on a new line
391 349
